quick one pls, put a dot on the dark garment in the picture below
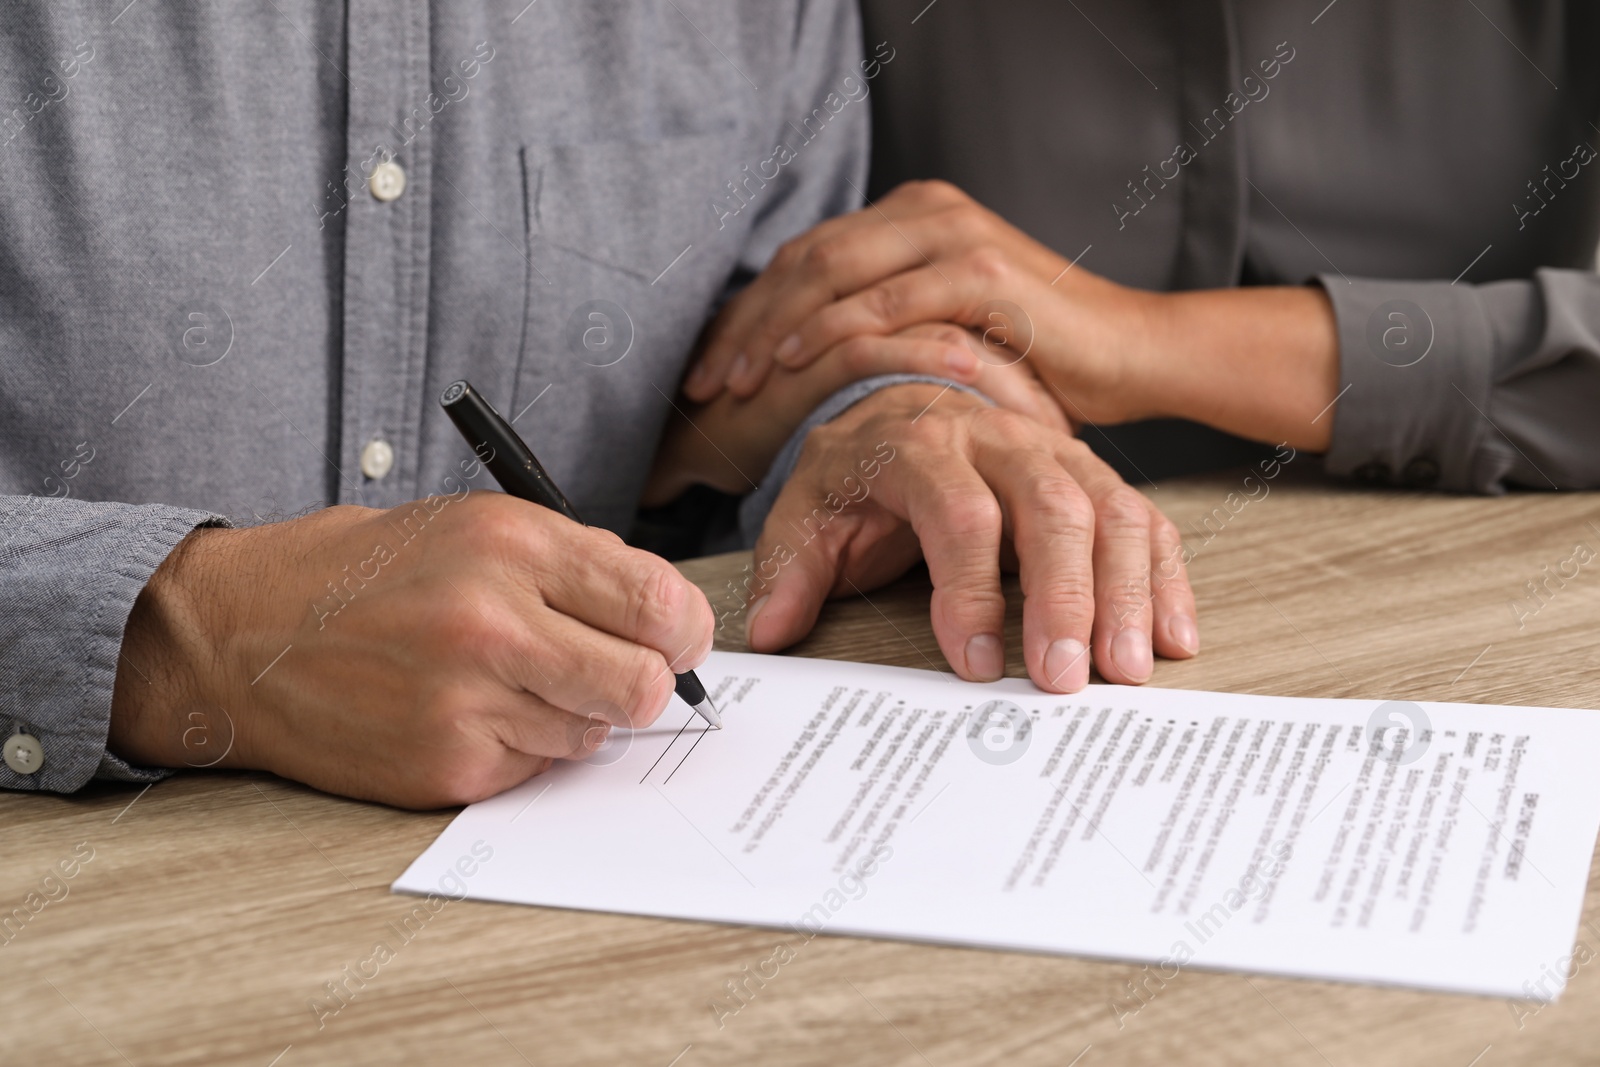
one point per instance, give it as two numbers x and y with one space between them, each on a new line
1432 164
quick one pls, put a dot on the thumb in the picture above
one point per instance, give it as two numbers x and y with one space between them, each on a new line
797 563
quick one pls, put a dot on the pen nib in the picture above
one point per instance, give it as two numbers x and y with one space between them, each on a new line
708 711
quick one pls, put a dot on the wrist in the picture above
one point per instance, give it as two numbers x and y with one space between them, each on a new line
158 692
1106 351
1140 384
1176 376
905 400
1262 363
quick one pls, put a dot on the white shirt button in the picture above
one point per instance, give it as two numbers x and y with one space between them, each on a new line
388 181
23 753
377 458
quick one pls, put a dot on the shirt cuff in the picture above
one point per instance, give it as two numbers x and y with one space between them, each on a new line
1415 366
71 581
754 508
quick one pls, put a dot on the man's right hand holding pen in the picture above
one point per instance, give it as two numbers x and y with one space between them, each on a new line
434 654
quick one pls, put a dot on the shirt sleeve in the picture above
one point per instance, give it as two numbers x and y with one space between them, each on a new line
827 150
1468 388
70 571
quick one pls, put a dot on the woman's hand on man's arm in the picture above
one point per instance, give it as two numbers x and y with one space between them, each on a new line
1259 362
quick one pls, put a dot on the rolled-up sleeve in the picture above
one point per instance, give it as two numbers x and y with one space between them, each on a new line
1468 388
70 572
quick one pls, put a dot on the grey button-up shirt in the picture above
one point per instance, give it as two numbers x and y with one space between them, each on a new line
1433 164
244 247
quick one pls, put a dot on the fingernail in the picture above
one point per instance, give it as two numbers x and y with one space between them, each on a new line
1184 633
788 349
1066 665
1130 651
750 618
596 735
741 364
986 657
961 361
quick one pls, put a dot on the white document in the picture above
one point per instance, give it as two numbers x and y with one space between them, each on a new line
1444 846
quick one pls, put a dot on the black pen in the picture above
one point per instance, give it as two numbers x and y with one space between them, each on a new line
521 475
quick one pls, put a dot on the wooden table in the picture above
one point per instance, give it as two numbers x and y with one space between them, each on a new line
217 905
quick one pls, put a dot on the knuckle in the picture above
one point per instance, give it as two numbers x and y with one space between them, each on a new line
656 598
453 770
1075 447
1164 532
969 219
461 628
487 523
988 264
789 253
1124 506
976 606
1064 597
825 258
1053 492
1013 427
649 687
931 433
1068 515
939 191
883 303
859 354
465 784
972 514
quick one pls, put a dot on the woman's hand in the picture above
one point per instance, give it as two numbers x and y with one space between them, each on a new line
914 226
1259 362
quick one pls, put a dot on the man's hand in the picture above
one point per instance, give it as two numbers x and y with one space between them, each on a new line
730 442
922 471
434 654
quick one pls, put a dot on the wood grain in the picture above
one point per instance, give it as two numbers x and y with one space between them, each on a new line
217 905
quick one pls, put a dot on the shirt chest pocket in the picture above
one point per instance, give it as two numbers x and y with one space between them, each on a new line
629 222
626 262
630 206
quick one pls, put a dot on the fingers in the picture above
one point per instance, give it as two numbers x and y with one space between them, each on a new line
530 727
958 521
940 353
727 356
1123 551
817 543
1175 631
1122 646
948 292
633 595
709 370
442 786
588 624
795 581
944 230
828 270
1053 531
1101 569
1010 383
598 676
913 222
